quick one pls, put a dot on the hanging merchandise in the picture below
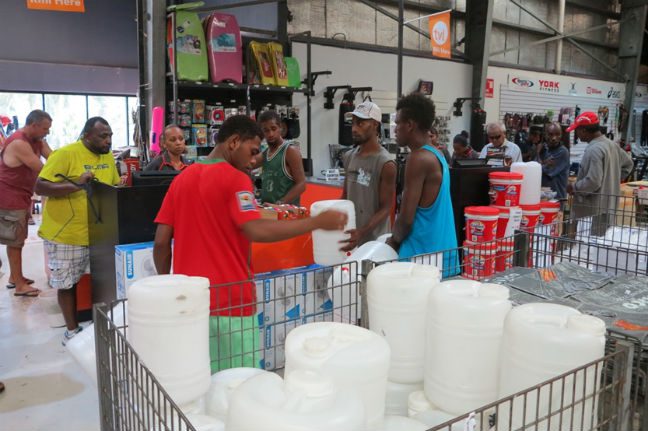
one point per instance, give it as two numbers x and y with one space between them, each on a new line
225 49
275 51
190 51
157 125
603 114
345 119
477 133
261 59
294 75
577 111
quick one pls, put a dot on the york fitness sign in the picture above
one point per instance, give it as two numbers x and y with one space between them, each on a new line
57 5
534 85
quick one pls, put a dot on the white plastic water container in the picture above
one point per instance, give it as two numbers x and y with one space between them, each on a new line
196 407
223 385
531 183
305 401
326 244
82 346
397 294
400 423
542 341
396 399
342 284
205 423
168 326
355 358
464 333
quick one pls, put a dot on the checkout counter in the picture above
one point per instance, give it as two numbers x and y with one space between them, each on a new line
127 214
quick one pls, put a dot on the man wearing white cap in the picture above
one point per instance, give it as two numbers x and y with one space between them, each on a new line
370 181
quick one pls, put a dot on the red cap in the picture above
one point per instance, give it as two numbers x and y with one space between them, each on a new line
585 119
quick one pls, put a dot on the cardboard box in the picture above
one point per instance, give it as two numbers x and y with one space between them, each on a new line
132 262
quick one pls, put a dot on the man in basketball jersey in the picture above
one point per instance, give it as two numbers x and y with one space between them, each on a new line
425 223
283 179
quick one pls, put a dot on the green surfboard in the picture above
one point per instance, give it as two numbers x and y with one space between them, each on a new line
294 75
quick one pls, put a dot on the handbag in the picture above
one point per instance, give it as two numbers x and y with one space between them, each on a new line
9 227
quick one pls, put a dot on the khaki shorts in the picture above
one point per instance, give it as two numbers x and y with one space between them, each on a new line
13 223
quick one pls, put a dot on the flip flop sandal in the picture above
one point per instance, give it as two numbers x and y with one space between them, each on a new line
11 285
31 293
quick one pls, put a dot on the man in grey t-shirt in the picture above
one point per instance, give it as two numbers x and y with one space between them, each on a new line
370 181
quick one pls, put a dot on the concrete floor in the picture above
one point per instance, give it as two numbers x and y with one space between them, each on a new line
46 390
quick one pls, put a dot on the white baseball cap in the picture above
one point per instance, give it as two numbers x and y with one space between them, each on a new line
368 110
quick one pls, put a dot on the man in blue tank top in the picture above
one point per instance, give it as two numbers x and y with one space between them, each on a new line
425 224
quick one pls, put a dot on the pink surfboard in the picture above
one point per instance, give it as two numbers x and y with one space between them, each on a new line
224 48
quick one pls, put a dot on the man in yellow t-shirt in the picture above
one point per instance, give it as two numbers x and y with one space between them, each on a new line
65 217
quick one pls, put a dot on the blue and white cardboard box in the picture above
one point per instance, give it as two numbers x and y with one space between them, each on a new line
287 299
132 262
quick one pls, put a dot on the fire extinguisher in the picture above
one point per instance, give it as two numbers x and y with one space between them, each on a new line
345 120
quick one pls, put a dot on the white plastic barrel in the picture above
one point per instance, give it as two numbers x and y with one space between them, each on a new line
223 385
168 326
531 183
464 332
342 284
355 358
397 294
400 423
305 401
397 396
433 417
542 341
326 244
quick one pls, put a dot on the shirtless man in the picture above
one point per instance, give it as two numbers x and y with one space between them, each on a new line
426 221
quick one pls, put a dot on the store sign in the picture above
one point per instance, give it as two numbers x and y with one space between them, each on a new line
593 90
490 88
57 5
549 86
573 90
614 94
440 34
522 83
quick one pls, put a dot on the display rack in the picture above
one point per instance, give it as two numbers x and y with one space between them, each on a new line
252 96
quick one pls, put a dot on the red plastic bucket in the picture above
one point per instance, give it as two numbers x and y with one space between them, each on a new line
548 211
505 188
504 258
503 220
481 223
530 216
479 260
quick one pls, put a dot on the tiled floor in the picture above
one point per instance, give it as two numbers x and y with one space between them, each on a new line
45 388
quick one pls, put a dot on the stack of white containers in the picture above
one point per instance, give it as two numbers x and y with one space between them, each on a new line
326 244
397 300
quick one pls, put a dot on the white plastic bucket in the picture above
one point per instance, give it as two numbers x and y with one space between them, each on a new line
356 359
304 401
464 332
397 295
532 182
223 385
168 326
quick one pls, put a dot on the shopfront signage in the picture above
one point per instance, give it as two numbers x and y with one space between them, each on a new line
549 86
440 34
573 90
490 88
593 90
614 94
57 5
522 82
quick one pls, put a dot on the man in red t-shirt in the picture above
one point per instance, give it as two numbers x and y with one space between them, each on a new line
211 214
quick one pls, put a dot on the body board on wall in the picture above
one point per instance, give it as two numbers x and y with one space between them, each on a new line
225 49
190 48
